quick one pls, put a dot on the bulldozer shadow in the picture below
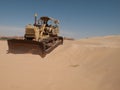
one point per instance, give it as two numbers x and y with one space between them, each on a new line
33 52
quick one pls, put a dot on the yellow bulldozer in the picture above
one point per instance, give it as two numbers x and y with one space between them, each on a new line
40 38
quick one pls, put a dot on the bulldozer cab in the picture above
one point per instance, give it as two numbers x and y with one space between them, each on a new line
48 21
44 20
51 25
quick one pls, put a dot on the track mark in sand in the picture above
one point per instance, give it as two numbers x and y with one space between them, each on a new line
74 65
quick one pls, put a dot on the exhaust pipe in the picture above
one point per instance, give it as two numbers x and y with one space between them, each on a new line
35 22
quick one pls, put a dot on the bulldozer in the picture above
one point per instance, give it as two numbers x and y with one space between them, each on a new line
40 38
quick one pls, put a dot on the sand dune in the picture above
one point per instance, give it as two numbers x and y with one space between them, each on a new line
85 64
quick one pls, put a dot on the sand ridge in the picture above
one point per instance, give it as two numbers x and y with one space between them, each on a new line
85 64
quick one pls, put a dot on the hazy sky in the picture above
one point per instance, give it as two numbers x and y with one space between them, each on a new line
78 18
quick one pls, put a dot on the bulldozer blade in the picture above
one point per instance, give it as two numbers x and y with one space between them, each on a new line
25 46
19 46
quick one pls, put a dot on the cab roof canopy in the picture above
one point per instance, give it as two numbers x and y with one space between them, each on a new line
46 19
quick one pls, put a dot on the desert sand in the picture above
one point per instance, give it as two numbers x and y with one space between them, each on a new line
85 64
